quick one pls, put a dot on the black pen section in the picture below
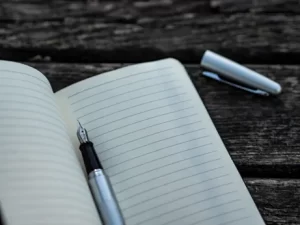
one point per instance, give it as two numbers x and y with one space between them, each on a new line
90 157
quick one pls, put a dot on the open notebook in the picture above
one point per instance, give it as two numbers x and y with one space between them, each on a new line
151 131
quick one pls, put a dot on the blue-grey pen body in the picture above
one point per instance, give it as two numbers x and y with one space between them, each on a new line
105 199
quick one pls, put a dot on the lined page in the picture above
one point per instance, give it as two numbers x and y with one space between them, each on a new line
41 181
159 147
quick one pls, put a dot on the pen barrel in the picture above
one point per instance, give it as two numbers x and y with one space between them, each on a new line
105 199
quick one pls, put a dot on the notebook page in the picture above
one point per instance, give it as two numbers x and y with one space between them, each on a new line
41 181
159 147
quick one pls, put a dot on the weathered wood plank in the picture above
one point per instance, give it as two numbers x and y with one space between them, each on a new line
261 133
134 31
28 10
241 37
254 6
277 199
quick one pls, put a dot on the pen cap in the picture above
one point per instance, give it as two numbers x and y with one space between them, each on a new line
234 71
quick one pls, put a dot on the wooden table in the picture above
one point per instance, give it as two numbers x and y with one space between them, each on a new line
72 40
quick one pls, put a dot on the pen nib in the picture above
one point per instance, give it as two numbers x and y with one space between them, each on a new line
82 134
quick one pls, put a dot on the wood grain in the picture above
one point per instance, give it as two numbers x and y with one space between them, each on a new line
122 10
122 31
261 133
254 6
277 199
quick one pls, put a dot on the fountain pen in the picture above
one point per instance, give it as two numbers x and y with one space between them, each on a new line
99 183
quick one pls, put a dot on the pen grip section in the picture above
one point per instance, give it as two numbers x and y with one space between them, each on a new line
90 157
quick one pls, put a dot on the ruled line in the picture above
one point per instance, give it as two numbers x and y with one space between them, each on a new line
32 111
149 135
32 119
53 162
194 203
144 128
65 169
154 142
189 149
203 210
157 168
10 71
124 93
34 127
167 174
176 199
39 151
42 175
67 179
134 106
29 103
29 96
121 78
22 134
216 216
163 184
9 78
123 85
78 205
36 143
123 170
26 88
141 96
231 221
157 150
126 117
6 133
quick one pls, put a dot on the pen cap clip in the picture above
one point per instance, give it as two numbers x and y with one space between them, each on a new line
216 77
236 72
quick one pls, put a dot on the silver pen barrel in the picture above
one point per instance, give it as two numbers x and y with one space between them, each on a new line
105 199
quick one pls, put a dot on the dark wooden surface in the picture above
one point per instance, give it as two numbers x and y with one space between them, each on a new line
72 40
98 31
